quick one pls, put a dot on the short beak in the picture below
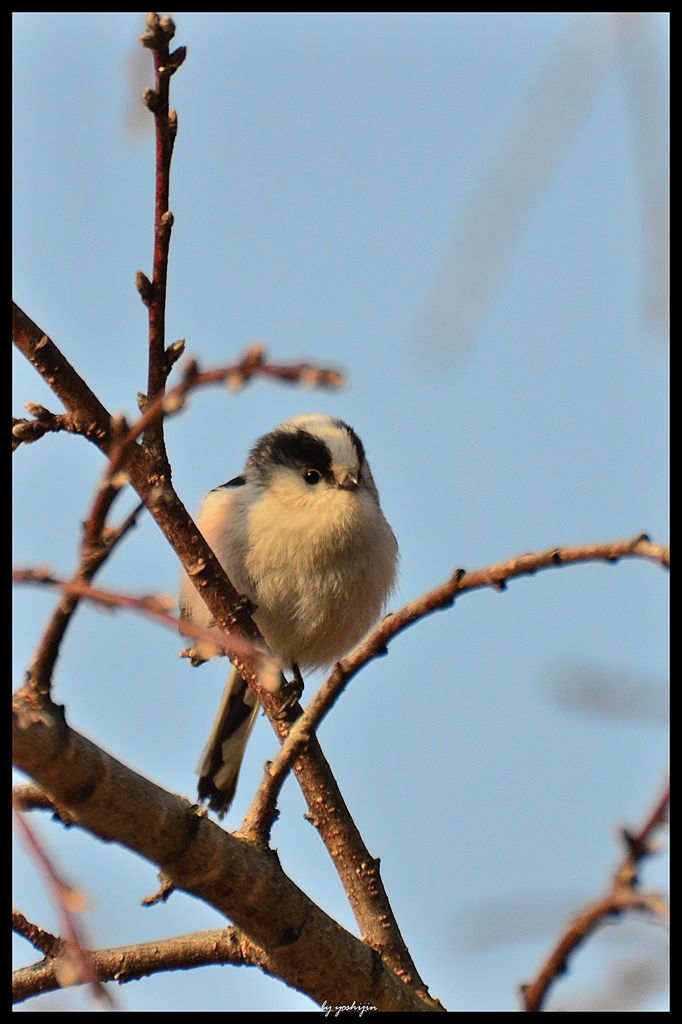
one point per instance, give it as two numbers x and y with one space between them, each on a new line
349 482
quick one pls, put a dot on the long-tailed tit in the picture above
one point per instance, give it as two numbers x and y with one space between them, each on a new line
301 534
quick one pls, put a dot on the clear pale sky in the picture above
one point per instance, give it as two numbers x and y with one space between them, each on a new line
466 212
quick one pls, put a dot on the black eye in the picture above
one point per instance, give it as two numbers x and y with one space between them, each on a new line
312 476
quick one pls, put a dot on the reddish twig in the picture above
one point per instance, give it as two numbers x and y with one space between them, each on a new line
150 606
76 962
159 33
94 556
252 364
622 896
261 815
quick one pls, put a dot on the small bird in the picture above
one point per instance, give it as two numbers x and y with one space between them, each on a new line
300 532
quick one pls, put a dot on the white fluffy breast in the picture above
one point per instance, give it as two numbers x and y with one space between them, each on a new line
318 562
322 570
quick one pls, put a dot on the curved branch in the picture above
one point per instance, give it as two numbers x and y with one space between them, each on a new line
622 896
261 815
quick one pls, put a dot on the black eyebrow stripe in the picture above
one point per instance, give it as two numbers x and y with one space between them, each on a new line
236 481
295 448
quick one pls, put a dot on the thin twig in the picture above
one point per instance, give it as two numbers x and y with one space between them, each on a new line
45 422
90 417
151 606
41 940
252 364
259 819
159 33
622 896
30 797
94 556
77 964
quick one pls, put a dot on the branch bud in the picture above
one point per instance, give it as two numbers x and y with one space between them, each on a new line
173 353
167 26
175 60
144 287
151 100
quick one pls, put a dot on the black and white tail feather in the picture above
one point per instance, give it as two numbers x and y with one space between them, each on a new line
221 760
301 534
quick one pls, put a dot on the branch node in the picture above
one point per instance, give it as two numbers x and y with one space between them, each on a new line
161 895
166 222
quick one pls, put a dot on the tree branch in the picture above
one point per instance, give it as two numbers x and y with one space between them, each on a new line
94 556
357 869
305 947
128 963
151 606
159 33
622 896
90 418
75 959
41 940
260 817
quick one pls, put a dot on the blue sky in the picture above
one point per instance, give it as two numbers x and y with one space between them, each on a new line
341 183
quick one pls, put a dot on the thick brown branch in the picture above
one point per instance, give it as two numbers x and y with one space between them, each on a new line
306 948
623 896
128 963
358 870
